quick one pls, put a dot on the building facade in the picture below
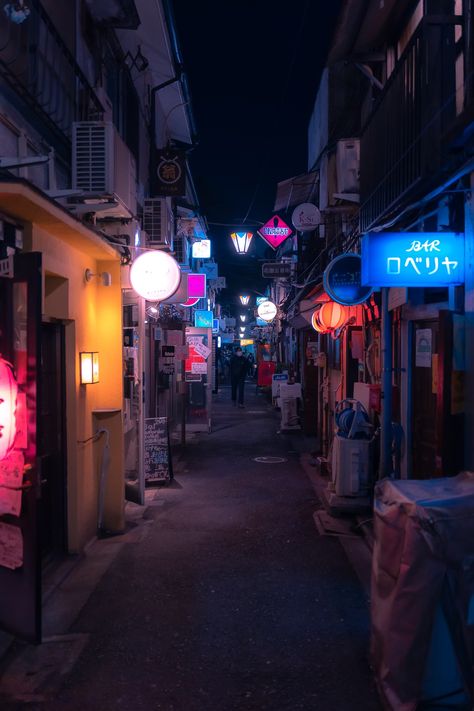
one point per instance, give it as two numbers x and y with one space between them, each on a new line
94 103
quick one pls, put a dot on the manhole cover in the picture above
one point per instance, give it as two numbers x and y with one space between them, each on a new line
269 460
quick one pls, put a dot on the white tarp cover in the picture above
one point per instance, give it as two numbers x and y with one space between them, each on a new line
424 546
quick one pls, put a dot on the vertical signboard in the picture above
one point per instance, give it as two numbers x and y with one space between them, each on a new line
158 465
198 375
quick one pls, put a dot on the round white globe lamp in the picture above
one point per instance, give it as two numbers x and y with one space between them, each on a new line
155 275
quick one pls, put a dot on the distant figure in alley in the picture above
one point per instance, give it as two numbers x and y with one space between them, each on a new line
238 370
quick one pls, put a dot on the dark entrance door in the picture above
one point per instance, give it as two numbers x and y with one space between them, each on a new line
424 398
20 562
51 445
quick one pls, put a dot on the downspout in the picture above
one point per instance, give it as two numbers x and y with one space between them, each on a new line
385 468
178 64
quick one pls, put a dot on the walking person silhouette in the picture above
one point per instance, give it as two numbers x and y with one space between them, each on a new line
239 366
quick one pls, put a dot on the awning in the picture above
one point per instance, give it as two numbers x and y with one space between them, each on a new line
295 191
25 203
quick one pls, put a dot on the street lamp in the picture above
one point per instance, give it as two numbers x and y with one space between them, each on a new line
243 317
244 300
241 241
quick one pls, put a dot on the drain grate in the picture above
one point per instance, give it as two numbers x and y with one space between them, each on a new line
269 460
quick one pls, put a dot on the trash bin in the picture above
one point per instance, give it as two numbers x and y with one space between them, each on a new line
422 602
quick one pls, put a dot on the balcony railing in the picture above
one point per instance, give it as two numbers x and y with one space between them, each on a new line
38 66
402 142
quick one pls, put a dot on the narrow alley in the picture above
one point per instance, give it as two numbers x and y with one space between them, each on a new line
227 599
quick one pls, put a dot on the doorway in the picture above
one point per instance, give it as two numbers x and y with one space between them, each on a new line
52 443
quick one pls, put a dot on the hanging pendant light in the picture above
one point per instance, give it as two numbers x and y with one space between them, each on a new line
241 241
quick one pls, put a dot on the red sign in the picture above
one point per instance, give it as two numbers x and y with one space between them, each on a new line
275 232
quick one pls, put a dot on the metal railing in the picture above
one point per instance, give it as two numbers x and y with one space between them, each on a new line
402 141
37 65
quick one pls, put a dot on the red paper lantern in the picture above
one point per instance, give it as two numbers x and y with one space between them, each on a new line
8 394
329 317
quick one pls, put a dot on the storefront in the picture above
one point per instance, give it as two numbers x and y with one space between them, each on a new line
61 331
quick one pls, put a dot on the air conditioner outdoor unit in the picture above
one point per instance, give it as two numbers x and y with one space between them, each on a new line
158 222
103 167
181 250
347 165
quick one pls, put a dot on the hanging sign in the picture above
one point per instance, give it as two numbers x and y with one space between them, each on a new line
210 269
203 319
413 259
342 280
275 232
267 311
276 270
196 289
170 173
155 275
202 249
197 285
306 217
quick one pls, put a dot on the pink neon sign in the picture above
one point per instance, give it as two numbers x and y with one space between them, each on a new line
197 285
275 232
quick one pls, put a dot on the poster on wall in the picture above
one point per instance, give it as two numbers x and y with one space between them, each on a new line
11 546
423 340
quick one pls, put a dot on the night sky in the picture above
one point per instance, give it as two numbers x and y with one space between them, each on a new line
253 68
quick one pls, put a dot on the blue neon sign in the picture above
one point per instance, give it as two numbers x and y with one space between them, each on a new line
342 280
420 259
203 319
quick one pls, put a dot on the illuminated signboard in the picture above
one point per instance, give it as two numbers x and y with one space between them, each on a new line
410 259
259 300
202 249
246 342
215 325
196 289
155 275
197 285
267 311
275 232
203 319
342 280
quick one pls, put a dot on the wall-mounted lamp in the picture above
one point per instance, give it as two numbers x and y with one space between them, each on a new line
105 276
89 362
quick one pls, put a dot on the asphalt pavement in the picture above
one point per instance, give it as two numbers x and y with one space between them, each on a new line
229 599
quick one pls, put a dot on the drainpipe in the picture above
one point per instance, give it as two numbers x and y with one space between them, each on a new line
385 468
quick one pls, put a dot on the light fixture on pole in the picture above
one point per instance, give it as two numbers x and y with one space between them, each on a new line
244 300
241 241
243 317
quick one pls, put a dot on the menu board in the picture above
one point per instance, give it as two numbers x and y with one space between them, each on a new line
157 460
